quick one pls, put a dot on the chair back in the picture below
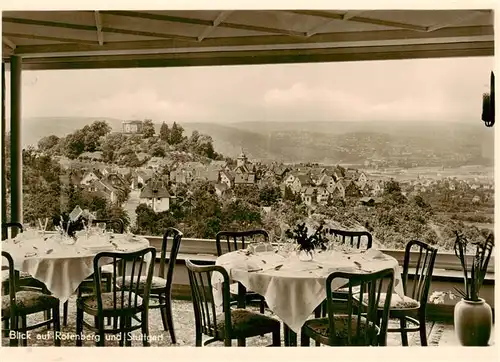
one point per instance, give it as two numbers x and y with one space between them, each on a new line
228 241
356 239
168 272
116 224
15 227
363 324
421 256
128 268
12 284
200 280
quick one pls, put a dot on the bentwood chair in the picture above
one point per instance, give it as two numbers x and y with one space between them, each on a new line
22 301
228 241
417 276
362 324
230 323
161 285
120 304
117 226
355 239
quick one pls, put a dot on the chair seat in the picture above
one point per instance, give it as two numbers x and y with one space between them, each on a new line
89 302
345 290
22 275
245 323
156 283
28 302
320 327
397 303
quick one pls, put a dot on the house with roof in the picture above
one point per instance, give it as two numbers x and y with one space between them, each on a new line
339 190
226 178
116 180
132 127
244 179
352 189
309 196
155 195
92 156
103 189
90 176
322 195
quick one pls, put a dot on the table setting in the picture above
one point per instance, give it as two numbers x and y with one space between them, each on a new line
61 259
293 286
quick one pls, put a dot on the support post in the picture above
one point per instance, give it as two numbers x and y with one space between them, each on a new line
4 123
16 151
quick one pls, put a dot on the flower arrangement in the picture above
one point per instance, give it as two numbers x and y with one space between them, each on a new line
473 274
307 242
69 224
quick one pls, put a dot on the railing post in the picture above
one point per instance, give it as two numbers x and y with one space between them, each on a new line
16 152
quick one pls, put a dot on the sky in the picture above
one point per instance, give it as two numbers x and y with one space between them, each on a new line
448 89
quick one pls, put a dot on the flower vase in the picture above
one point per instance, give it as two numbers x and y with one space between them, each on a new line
473 320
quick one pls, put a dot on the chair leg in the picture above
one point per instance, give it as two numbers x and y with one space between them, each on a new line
128 339
404 334
262 305
145 329
24 324
305 341
170 319
123 334
65 313
100 328
48 315
242 342
108 289
277 338
198 336
6 328
423 331
13 342
57 326
79 326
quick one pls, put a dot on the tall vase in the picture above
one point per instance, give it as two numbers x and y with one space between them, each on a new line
473 320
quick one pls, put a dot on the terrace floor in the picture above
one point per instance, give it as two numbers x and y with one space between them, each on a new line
439 334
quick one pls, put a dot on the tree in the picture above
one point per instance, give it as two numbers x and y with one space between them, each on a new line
269 195
100 128
148 129
158 151
48 143
176 134
164 132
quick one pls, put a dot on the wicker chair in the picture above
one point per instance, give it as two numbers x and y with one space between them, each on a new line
362 324
118 227
416 285
123 305
228 241
22 301
161 287
231 324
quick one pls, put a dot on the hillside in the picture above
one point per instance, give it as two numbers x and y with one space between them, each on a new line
399 143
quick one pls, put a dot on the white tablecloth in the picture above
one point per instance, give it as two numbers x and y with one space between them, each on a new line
62 267
298 287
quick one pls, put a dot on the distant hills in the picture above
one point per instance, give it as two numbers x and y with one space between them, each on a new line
324 142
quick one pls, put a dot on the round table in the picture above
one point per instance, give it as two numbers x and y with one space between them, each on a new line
62 266
294 288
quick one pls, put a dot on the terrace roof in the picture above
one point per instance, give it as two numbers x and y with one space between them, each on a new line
126 39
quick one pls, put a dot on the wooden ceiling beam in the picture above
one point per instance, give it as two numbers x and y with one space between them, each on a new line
49 38
194 21
318 29
359 19
454 32
223 15
94 28
276 57
98 25
9 43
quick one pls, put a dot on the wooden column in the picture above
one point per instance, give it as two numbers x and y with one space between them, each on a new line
16 151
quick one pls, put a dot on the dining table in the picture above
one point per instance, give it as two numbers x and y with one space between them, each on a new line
62 263
292 287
